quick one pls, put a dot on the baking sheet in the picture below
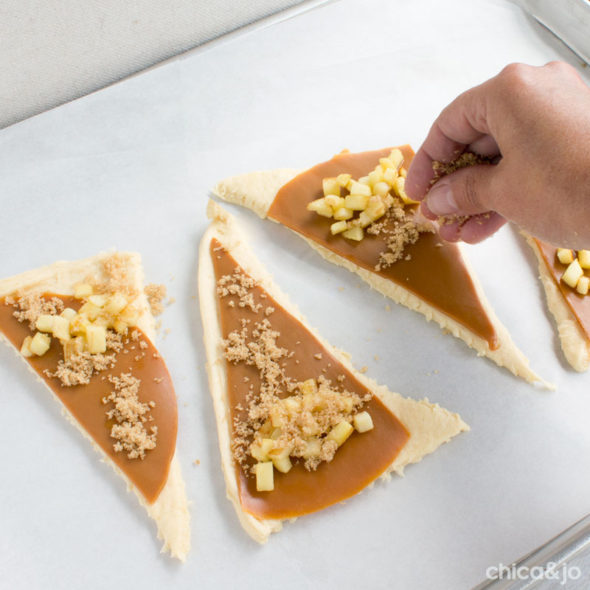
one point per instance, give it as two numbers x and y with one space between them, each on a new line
131 167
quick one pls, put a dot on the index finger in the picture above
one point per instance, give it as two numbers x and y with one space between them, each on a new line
459 124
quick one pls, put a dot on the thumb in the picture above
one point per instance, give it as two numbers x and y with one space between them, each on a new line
465 192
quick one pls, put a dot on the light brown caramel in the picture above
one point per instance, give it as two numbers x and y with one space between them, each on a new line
360 460
579 304
435 271
84 402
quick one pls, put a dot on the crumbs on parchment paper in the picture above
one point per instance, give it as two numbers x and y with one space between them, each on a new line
155 295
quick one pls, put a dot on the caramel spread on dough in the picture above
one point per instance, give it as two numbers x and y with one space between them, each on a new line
431 269
89 403
579 304
357 463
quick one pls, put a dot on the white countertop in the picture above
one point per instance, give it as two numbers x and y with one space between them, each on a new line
131 167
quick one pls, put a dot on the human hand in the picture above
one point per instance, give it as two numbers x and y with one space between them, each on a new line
536 122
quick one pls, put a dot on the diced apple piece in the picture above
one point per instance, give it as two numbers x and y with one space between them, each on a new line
275 433
340 432
354 233
61 328
44 322
129 315
365 180
363 422
276 417
357 188
280 459
582 286
403 172
397 158
565 255
96 337
313 448
73 346
292 405
264 476
346 404
260 451
68 313
338 227
375 177
79 324
90 310
381 189
82 290
343 179
320 207
25 348
40 344
356 202
116 304
376 208
364 219
584 258
309 386
343 213
389 176
331 186
572 274
98 300
399 186
120 326
334 201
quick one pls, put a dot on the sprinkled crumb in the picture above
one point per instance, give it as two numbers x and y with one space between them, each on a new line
131 415
318 356
238 284
196 462
155 296
363 369
29 306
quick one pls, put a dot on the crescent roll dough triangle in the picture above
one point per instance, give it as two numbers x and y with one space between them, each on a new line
257 191
428 424
169 508
574 340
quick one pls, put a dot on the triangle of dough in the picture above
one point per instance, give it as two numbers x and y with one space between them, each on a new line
257 190
429 425
170 510
573 339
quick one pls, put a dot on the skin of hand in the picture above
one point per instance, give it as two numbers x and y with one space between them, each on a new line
536 122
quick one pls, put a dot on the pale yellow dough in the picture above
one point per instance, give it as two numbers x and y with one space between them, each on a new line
170 510
429 424
257 191
575 345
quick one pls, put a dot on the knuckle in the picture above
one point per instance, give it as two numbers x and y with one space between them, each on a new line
515 75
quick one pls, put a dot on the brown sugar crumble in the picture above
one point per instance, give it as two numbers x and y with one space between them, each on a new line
155 295
131 416
239 285
29 306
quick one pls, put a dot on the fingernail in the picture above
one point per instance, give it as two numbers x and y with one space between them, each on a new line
440 199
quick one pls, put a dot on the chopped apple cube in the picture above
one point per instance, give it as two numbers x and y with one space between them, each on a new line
364 219
397 158
313 448
309 386
381 189
40 344
280 459
389 176
346 404
292 405
572 274
582 286
375 209
129 315
90 310
61 328
334 201
340 432
331 187
375 177
354 233
357 188
25 348
98 300
365 180
120 327
260 451
343 213
276 417
116 304
79 324
403 172
584 258
343 179
399 186
82 290
363 422
264 476
357 202
565 255
338 227
73 346
44 322
320 207
96 337
68 313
